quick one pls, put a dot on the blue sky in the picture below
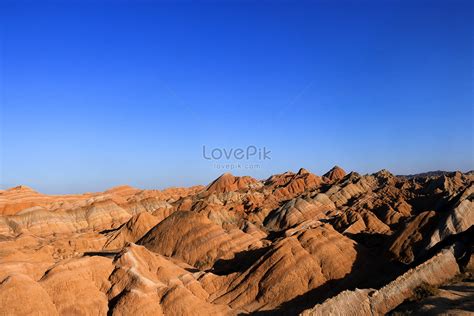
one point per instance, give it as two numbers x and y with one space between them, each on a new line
96 94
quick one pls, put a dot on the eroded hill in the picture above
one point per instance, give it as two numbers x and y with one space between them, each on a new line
295 242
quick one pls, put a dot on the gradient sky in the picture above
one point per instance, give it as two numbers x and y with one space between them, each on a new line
97 94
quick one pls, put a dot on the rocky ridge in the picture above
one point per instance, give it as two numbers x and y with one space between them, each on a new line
293 243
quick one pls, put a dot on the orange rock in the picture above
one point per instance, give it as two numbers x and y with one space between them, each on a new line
227 183
195 239
237 246
336 173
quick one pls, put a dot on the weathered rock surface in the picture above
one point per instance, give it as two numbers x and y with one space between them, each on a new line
457 220
20 295
195 239
435 271
454 298
336 173
292 242
295 212
131 231
148 283
228 183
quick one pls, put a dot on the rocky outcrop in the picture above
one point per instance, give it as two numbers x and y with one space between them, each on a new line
132 231
454 298
20 295
147 283
228 183
308 257
97 216
79 286
295 212
288 185
435 271
457 220
352 187
237 246
412 237
195 239
336 173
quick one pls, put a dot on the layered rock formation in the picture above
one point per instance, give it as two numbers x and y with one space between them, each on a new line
435 271
295 242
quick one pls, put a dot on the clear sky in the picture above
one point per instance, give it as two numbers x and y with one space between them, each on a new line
96 94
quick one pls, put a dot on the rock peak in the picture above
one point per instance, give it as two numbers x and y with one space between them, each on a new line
303 171
228 182
384 173
226 175
335 173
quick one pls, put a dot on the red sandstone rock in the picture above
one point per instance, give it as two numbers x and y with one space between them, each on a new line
238 245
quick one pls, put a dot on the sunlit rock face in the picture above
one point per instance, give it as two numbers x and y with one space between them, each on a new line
293 243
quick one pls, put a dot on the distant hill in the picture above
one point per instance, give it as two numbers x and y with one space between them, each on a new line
436 173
